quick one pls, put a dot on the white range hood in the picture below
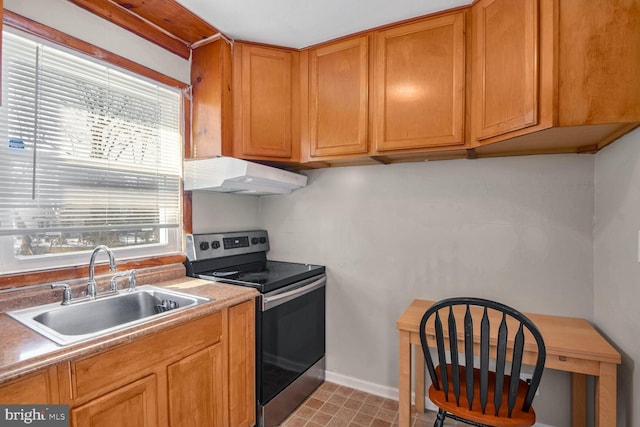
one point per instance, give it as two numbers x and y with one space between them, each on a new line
231 175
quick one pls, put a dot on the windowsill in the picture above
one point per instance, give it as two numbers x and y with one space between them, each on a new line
21 297
30 278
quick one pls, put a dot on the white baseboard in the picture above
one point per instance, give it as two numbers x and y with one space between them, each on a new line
380 390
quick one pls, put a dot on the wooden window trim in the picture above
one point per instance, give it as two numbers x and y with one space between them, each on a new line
54 275
80 271
51 34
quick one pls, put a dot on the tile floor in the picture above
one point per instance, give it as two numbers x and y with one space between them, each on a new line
337 406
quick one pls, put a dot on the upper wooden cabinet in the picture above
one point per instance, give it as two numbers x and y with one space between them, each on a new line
339 98
419 84
266 91
211 122
505 71
500 77
553 75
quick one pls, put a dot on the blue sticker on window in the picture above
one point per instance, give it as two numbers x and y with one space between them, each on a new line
16 143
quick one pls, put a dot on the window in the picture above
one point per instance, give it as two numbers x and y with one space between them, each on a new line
89 155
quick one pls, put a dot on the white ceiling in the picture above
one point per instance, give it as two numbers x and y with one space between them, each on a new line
302 23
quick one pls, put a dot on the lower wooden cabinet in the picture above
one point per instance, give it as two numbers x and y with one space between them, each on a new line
41 387
193 380
134 405
197 374
242 374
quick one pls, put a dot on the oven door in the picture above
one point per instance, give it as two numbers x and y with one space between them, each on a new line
292 334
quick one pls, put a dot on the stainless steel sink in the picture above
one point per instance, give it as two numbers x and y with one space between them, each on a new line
93 318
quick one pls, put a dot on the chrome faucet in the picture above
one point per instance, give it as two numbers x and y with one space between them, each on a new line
132 280
91 285
113 283
66 293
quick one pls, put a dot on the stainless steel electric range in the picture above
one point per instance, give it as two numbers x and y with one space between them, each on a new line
290 315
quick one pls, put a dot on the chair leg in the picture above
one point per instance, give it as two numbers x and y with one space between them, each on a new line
440 418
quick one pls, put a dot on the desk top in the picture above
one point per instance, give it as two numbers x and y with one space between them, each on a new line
563 336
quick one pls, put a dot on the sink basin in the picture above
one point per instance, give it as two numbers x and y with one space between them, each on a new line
93 318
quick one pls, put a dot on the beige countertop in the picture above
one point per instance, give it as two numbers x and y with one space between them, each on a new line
23 351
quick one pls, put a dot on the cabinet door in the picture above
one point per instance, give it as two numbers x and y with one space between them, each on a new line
211 100
134 405
242 377
38 388
505 66
266 100
338 98
419 84
197 389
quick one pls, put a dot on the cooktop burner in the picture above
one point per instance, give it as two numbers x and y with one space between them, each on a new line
264 275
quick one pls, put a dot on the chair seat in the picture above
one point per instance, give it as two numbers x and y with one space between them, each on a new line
518 418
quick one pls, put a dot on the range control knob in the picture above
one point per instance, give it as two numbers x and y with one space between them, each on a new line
263 240
215 244
254 240
204 246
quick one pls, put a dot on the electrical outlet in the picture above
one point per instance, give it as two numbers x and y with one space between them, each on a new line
527 379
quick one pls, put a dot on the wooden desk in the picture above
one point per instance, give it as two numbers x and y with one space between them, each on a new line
573 345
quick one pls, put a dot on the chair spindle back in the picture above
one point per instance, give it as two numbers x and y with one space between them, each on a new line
452 375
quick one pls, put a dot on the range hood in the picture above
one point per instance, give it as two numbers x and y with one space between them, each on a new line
231 175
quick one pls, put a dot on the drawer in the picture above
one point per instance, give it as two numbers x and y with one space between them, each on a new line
125 363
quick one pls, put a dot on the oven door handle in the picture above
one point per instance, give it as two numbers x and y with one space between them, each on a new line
269 302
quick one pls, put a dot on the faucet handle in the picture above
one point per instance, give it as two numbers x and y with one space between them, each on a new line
66 293
132 280
113 283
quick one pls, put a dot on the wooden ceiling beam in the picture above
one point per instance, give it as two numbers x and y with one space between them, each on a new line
172 17
137 24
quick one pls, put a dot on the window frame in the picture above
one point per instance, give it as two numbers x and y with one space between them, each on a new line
33 276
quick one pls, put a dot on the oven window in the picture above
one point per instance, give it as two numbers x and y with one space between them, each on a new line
293 339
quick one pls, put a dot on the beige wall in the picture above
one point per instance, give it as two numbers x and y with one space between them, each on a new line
217 212
513 229
516 229
616 267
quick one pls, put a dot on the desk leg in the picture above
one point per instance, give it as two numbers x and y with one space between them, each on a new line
578 400
404 381
418 381
606 395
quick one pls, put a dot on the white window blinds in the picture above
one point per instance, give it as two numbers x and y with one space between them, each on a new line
89 155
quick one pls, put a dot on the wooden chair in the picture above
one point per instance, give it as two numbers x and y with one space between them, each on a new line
480 396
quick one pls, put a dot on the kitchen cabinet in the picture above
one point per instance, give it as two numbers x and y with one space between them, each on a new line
200 372
419 84
193 380
266 103
553 76
170 378
211 123
134 405
242 363
41 387
339 98
506 74
500 77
